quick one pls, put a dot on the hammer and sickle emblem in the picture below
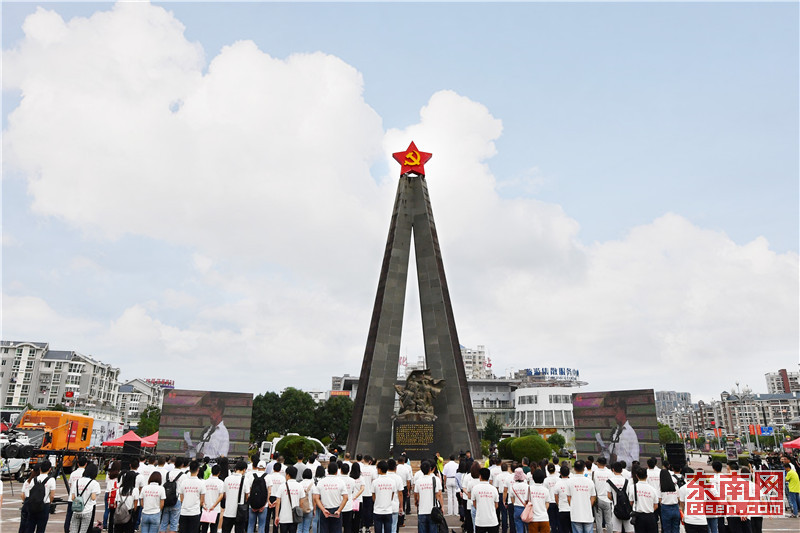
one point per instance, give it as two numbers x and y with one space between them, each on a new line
412 158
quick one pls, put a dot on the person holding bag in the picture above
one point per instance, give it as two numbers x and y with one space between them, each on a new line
83 497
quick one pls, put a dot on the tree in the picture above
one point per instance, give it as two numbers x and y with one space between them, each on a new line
666 434
493 430
333 418
59 407
556 441
297 412
266 416
149 421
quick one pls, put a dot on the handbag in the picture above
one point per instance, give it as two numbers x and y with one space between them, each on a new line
297 511
437 516
242 509
209 516
527 513
634 513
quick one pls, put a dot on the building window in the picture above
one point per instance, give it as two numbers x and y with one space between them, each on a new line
548 418
51 402
25 389
40 400
539 419
559 418
59 366
57 378
568 418
9 400
27 377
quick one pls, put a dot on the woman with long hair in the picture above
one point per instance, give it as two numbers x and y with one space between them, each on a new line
318 474
85 490
358 489
670 511
307 483
127 495
112 485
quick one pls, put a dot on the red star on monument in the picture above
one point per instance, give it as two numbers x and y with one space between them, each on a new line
412 160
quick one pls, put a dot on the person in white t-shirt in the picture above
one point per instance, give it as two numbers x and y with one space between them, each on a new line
234 496
76 474
87 489
654 475
552 509
37 518
600 475
485 500
645 504
330 497
668 506
581 495
398 501
307 483
427 488
152 500
287 497
386 489
623 485
405 472
368 474
539 497
347 510
127 498
191 492
451 485
692 522
467 482
562 501
215 490
500 480
517 494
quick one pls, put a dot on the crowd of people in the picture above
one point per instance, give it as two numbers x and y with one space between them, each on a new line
356 495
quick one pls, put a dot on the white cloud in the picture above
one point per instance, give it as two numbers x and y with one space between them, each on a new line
260 167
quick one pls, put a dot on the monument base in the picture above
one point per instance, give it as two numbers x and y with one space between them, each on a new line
414 437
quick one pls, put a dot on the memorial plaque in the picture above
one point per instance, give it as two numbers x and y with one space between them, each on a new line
416 438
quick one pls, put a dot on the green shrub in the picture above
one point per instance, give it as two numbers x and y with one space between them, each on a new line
533 447
504 448
289 447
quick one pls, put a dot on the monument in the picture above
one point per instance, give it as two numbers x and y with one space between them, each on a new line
436 409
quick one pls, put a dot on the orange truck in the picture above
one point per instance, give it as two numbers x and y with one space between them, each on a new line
56 430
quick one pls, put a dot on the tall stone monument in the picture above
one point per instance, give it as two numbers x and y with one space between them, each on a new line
443 419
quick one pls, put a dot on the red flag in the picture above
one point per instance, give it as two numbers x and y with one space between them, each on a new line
752 429
758 429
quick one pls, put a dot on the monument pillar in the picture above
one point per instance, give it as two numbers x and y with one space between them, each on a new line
454 421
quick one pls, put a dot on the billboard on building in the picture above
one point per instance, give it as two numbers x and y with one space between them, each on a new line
203 423
617 425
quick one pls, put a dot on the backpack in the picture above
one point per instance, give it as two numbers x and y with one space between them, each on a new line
171 490
122 514
36 496
258 492
79 503
622 508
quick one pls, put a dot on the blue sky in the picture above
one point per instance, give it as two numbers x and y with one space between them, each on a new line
584 133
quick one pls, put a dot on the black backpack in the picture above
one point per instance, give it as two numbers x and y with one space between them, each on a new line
36 496
622 508
171 491
258 492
